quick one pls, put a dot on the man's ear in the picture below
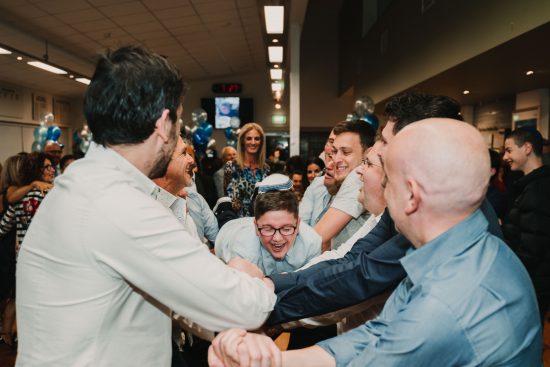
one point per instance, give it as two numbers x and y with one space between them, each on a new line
527 148
256 228
163 126
414 197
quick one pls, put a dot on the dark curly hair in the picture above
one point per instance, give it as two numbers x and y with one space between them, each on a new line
32 167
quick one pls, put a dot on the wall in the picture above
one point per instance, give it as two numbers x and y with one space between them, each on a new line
321 104
406 47
256 86
17 124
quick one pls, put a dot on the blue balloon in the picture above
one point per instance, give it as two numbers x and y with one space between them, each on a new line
371 119
198 139
49 133
40 134
228 133
56 133
207 129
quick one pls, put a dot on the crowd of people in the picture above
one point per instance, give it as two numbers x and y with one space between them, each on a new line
412 246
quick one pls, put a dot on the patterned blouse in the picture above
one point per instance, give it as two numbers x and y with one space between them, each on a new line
240 184
20 214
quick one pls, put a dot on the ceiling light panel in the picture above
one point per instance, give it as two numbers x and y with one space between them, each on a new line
274 19
275 53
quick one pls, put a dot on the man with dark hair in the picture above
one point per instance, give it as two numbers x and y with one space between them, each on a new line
372 266
527 226
104 265
275 240
344 215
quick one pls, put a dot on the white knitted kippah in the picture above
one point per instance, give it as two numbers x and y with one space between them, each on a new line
274 182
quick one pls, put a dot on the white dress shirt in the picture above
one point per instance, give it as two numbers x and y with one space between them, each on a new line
97 248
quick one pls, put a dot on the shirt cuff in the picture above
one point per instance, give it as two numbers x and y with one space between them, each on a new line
283 281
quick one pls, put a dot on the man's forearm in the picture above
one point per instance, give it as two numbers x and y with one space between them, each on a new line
308 357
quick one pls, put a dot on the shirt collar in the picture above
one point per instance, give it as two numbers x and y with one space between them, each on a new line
419 262
109 156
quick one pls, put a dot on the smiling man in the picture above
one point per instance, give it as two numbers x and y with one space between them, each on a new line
275 240
344 215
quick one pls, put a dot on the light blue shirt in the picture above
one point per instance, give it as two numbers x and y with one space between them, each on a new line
467 301
204 218
238 238
315 202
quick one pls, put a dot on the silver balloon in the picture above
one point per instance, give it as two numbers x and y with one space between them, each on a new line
84 145
48 118
363 105
235 122
211 143
198 116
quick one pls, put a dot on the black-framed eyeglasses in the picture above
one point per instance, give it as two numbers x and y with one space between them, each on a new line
283 231
48 166
369 163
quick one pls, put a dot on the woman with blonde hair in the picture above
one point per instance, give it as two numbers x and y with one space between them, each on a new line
250 167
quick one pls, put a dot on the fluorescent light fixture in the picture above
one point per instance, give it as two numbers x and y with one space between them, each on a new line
530 72
466 92
83 80
274 19
275 53
43 66
3 51
276 74
276 87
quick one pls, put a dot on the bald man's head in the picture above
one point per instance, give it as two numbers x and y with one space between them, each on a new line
447 159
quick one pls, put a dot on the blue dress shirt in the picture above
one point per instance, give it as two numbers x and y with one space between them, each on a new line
370 268
466 301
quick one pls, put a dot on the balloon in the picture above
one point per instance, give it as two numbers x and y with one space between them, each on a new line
207 129
36 147
236 134
198 139
231 143
363 105
55 132
48 118
235 122
40 134
351 117
371 119
211 143
84 145
228 133
199 116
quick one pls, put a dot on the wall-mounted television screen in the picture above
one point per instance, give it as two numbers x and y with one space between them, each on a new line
221 109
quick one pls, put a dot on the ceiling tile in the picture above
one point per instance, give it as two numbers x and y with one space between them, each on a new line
123 9
181 11
80 16
95 25
62 6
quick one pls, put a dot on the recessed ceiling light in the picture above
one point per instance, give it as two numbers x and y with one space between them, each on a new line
275 40
275 53
276 74
530 72
71 76
466 92
276 66
19 58
274 19
277 106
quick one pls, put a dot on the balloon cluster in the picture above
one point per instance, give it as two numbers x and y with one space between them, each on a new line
82 138
232 132
363 110
44 133
200 131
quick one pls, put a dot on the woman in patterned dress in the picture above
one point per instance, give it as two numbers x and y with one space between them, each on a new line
250 167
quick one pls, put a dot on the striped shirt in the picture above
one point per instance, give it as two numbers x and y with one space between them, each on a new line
21 214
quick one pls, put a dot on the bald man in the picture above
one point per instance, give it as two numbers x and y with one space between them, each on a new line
228 154
466 300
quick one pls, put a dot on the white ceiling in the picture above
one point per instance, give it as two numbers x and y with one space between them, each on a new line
204 38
